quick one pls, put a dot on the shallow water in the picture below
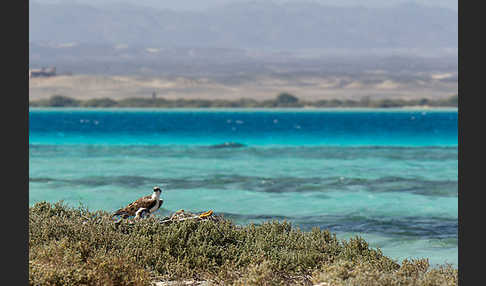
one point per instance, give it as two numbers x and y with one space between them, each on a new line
390 177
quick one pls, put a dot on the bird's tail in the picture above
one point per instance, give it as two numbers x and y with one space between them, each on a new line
121 213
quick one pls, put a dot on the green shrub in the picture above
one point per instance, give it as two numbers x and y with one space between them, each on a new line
287 100
359 272
70 246
282 100
136 102
62 101
99 102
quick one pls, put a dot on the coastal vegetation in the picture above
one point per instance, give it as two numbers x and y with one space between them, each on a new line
73 246
283 100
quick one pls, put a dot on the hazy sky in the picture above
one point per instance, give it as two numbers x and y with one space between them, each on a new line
204 4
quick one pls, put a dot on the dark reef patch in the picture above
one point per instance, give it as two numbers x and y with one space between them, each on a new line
227 145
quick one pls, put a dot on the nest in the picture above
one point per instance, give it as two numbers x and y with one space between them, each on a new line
178 216
182 215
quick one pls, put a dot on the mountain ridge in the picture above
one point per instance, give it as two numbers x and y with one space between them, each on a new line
251 25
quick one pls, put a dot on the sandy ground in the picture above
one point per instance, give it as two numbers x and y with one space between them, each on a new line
309 88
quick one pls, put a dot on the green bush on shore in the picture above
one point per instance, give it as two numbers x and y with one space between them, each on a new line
99 102
56 101
283 100
72 246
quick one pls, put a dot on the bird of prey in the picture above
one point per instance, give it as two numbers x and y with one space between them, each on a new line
143 206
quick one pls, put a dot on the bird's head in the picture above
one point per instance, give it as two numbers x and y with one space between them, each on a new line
157 190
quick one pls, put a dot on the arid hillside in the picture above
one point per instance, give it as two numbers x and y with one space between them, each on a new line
374 85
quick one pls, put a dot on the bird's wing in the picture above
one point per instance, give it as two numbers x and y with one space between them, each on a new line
144 202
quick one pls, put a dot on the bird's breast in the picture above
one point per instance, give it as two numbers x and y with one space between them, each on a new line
156 207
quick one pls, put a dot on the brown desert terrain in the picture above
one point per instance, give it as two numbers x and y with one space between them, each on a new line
374 86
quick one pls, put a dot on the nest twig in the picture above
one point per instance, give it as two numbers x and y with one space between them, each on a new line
182 215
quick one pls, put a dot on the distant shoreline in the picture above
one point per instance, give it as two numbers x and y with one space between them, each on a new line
282 101
276 109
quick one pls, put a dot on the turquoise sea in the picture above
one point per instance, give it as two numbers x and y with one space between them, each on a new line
390 176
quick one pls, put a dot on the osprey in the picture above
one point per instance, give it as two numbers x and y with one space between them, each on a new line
143 206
